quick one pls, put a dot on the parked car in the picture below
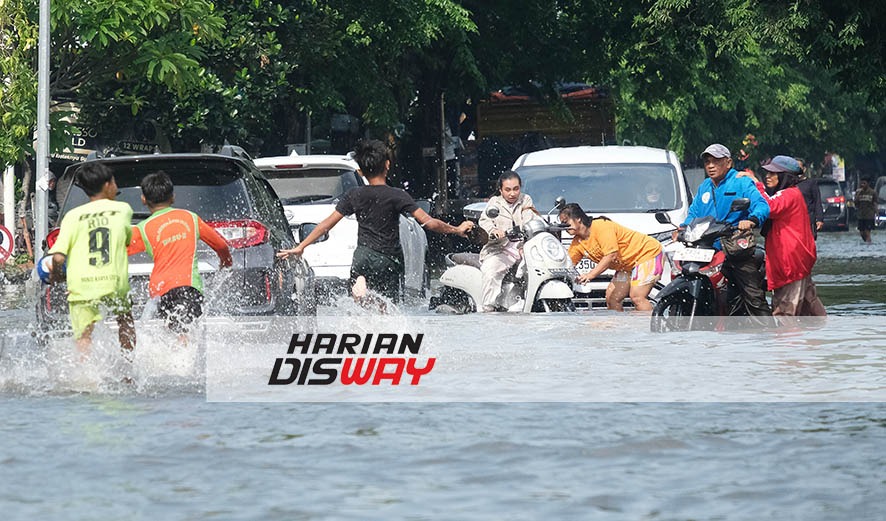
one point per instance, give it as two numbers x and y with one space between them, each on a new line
233 197
833 202
627 184
880 188
309 187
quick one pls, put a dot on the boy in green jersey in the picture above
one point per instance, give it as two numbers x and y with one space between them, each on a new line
93 240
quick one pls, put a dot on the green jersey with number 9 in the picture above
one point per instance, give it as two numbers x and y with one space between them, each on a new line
94 238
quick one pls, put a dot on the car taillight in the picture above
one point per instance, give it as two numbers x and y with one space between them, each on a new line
834 200
288 167
51 237
241 233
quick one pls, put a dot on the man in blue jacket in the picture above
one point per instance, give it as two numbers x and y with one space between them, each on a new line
714 198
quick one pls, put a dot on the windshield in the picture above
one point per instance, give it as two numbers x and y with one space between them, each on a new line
214 190
829 190
604 188
311 186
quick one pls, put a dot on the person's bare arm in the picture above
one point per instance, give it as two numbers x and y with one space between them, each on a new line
56 275
436 225
324 227
601 266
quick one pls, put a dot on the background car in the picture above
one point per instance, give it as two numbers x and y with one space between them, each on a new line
309 187
880 188
833 202
627 184
233 197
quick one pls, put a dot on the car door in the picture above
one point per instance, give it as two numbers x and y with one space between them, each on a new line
414 244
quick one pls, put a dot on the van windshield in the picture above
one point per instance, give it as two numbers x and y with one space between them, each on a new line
605 188
311 186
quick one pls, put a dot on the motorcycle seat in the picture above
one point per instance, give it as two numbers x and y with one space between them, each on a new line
466 258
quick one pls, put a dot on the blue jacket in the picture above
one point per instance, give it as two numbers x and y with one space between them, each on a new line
715 201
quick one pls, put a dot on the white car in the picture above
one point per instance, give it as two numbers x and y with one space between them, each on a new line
627 184
309 186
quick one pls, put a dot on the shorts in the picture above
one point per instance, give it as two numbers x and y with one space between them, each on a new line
865 225
647 272
87 312
179 307
384 273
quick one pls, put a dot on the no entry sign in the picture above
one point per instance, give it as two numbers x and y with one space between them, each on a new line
6 244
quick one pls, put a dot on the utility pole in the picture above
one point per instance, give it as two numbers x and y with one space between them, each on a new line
42 149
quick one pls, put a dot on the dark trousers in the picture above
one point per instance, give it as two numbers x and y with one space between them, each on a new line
748 279
384 273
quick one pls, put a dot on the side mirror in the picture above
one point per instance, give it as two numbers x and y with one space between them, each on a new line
492 212
662 218
560 202
739 204
304 229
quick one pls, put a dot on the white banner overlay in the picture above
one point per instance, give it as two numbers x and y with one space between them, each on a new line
590 357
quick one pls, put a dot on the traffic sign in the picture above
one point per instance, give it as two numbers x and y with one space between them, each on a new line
7 244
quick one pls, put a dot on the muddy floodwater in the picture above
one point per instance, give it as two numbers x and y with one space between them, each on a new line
572 416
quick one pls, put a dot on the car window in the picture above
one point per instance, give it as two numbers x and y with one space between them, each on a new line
602 188
212 189
311 185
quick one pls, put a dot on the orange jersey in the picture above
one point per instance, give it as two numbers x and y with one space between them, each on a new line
170 236
608 237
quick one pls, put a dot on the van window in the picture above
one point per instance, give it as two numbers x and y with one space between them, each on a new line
605 188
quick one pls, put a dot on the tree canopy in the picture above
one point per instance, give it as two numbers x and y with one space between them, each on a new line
800 76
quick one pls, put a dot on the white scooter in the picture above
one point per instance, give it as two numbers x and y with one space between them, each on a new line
540 282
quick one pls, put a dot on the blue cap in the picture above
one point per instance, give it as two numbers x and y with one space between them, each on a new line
782 164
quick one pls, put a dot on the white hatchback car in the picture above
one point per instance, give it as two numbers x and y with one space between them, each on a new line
309 186
627 184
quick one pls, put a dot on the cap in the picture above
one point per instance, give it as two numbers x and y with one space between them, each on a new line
716 150
782 164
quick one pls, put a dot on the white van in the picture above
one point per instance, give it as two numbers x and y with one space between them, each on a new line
309 186
627 184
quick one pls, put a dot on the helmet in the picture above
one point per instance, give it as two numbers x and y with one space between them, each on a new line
534 227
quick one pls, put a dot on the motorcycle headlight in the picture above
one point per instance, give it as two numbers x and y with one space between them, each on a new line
553 248
695 232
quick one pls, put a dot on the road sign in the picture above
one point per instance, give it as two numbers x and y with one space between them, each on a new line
7 244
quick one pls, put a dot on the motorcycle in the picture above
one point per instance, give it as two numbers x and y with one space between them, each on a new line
700 290
540 282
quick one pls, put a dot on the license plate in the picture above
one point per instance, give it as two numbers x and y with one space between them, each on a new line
585 265
694 255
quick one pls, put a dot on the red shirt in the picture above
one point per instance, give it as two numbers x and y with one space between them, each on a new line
790 246
170 235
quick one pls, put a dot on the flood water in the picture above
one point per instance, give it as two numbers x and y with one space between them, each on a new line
584 416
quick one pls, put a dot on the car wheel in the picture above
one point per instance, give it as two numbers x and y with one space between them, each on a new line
557 305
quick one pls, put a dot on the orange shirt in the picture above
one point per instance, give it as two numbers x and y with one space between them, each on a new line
170 236
632 248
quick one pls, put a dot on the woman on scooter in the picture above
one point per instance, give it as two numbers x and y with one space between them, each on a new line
790 245
636 257
499 254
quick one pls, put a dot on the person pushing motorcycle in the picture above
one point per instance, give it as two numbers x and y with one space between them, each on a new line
714 198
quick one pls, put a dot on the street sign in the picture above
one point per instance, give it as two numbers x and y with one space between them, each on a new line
7 244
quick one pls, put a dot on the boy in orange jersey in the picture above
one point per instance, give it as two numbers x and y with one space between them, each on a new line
170 236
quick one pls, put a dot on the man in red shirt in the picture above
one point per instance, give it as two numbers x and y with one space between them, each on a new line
170 236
